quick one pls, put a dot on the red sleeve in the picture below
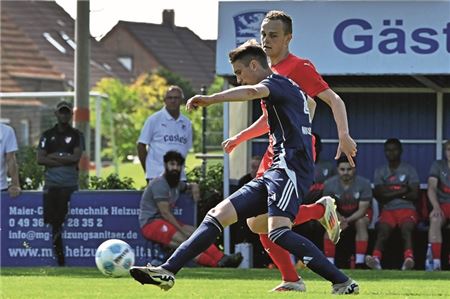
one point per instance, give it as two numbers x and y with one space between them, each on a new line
309 80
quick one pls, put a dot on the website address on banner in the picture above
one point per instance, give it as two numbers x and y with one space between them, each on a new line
85 236
80 251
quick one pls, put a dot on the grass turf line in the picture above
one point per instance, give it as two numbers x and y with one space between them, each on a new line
213 283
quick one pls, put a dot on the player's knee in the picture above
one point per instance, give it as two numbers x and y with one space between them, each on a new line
256 226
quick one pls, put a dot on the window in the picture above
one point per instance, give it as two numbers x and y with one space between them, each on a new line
54 43
68 40
126 62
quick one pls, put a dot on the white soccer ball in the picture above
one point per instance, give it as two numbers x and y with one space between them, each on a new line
114 258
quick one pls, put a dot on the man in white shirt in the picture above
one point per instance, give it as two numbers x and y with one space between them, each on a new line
165 130
8 148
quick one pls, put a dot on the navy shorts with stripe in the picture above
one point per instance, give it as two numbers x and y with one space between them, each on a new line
279 193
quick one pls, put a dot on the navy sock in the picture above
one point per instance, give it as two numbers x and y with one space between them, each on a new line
308 253
198 242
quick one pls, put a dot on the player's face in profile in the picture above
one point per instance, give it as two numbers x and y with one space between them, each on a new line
392 152
273 38
245 75
172 100
346 171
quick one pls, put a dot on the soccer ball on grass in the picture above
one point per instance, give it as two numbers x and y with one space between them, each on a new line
114 258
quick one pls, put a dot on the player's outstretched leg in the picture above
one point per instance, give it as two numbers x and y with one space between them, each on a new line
199 241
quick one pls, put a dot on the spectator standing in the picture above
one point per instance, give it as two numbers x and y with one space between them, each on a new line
439 196
59 150
8 148
353 195
165 130
397 190
157 221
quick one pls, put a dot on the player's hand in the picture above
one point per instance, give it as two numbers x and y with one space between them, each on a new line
229 144
195 190
14 191
436 212
185 231
197 101
347 146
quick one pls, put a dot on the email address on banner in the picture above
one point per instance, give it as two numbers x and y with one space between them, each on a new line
103 235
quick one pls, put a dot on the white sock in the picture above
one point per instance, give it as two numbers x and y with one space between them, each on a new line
436 263
360 258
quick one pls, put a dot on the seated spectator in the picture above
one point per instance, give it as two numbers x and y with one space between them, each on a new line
439 196
353 195
396 189
254 165
323 170
158 224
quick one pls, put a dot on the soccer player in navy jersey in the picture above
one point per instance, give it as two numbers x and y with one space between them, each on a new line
278 192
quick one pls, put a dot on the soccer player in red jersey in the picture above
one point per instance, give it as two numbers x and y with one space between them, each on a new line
276 34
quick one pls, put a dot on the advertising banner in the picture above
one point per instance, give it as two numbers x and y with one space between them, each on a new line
94 217
349 37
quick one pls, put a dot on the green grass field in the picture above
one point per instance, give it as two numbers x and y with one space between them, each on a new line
213 283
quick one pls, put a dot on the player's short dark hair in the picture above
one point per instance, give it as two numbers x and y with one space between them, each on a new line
395 141
344 159
248 51
283 17
174 156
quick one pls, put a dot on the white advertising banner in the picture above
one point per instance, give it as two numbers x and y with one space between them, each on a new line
349 37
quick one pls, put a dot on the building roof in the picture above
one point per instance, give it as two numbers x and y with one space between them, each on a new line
20 58
50 38
177 49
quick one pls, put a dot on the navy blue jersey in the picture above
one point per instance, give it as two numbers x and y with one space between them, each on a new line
288 117
290 129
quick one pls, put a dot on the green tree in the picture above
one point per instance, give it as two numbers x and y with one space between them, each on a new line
122 102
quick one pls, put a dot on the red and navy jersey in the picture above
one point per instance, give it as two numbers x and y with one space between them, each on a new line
288 118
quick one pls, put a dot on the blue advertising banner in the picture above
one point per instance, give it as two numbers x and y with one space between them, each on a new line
94 217
349 37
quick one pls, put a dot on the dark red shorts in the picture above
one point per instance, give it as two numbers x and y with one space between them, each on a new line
397 217
159 230
445 207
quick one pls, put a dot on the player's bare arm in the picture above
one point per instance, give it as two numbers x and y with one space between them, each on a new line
346 144
432 197
236 94
258 128
362 209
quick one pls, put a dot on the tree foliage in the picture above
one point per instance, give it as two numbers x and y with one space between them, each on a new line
129 105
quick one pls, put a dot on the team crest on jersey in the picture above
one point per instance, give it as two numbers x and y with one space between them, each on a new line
356 195
444 174
183 127
164 228
68 139
325 172
402 177
247 26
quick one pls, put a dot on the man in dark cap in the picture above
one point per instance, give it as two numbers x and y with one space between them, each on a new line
59 150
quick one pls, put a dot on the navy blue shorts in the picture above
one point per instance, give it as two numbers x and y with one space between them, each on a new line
277 193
